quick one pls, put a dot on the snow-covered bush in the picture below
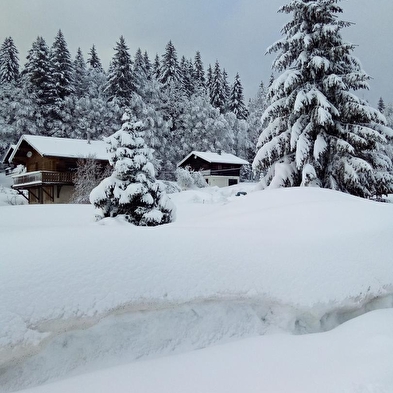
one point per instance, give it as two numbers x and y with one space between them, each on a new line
89 173
132 190
187 178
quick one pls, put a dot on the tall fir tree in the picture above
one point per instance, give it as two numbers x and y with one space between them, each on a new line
217 89
226 89
256 107
9 62
236 100
140 72
187 76
121 80
170 70
93 60
157 68
132 190
381 105
61 67
199 73
319 132
80 75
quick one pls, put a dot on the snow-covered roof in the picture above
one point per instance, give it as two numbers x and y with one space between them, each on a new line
7 154
222 158
64 147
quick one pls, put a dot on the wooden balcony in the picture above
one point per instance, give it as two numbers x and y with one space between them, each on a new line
42 177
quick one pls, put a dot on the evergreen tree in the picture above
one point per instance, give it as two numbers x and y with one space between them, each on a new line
217 89
37 75
226 89
9 62
121 81
93 60
148 66
140 73
318 132
61 67
209 80
381 105
236 101
80 75
170 70
187 71
256 108
132 190
199 73
157 68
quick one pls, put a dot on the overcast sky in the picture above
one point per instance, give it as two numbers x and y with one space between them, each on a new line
236 32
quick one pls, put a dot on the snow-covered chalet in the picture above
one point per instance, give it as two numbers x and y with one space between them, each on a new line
50 165
218 169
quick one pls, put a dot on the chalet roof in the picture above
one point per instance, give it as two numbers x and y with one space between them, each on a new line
7 154
221 158
63 147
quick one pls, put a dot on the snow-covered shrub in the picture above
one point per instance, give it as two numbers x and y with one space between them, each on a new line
187 178
89 173
132 190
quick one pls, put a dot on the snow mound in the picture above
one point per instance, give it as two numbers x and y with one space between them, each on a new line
297 260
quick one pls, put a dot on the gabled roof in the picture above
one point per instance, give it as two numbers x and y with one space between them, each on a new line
221 158
7 154
63 147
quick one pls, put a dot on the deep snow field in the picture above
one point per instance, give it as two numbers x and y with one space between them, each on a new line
273 285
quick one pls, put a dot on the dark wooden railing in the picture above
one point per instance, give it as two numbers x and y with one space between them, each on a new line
43 177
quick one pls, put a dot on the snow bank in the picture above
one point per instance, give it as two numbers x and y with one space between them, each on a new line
298 260
357 357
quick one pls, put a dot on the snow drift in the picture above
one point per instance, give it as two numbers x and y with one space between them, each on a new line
297 260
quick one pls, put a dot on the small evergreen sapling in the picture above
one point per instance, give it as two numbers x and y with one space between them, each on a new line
132 190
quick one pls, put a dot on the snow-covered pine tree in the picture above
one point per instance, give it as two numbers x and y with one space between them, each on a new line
93 60
236 100
121 81
319 132
256 108
217 90
61 67
209 79
140 73
170 70
148 66
381 105
157 68
227 90
9 62
132 190
80 75
199 73
187 75
37 75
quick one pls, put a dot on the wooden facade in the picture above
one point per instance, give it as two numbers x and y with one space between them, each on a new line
217 169
48 178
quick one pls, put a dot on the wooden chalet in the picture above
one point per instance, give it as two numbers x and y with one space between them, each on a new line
219 169
50 166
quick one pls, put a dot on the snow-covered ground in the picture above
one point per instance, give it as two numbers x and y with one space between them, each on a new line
79 296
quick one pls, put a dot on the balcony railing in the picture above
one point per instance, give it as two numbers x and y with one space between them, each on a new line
43 177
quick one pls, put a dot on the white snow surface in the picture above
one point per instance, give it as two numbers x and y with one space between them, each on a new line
354 358
78 295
